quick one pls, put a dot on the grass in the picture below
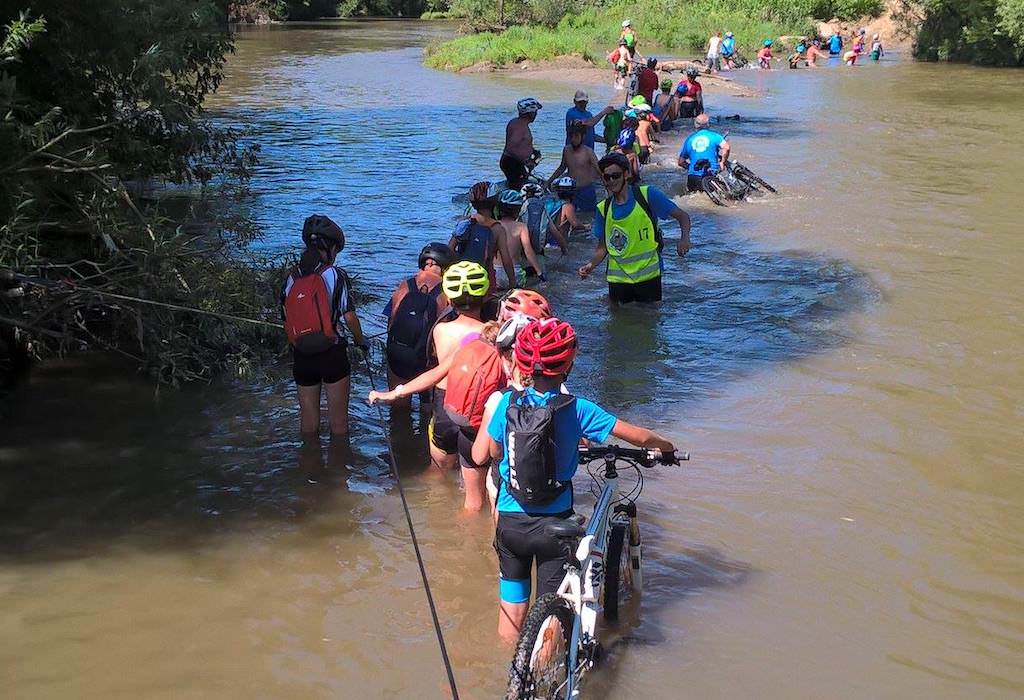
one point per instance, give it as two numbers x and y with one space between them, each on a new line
663 27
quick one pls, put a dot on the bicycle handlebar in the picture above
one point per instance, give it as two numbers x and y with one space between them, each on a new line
646 457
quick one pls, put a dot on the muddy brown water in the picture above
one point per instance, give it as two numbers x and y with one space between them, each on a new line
843 360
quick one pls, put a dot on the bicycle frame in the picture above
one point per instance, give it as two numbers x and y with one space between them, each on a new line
584 581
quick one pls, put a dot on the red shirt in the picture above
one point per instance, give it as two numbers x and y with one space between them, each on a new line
693 89
646 84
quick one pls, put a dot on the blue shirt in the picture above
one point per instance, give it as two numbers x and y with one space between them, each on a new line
661 206
835 44
728 46
703 144
588 420
583 115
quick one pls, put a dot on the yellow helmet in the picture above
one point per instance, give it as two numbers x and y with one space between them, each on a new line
465 278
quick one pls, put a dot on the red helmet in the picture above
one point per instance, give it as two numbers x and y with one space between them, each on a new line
523 301
547 347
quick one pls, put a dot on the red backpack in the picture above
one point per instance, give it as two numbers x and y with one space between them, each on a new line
475 374
309 313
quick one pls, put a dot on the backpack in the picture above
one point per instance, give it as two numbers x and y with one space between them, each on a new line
411 323
535 216
475 374
309 317
530 446
473 242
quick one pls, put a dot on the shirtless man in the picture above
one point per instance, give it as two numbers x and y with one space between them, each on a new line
519 144
814 52
581 163
466 286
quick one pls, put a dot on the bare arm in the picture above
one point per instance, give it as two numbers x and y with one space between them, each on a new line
641 437
505 253
599 254
425 381
562 167
556 233
352 321
723 154
531 254
482 444
683 246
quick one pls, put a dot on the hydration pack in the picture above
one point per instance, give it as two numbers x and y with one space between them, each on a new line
530 445
475 374
473 242
411 323
309 312
535 216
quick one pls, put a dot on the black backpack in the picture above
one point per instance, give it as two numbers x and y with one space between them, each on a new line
411 324
530 446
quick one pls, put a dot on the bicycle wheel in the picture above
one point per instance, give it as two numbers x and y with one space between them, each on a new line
715 190
540 667
618 574
746 175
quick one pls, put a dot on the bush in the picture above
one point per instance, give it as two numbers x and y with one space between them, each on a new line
985 32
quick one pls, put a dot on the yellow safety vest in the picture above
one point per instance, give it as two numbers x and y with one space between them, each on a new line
632 243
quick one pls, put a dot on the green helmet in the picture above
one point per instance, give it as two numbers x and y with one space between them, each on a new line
666 83
638 100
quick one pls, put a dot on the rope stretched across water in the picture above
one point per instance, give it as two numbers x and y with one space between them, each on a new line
415 543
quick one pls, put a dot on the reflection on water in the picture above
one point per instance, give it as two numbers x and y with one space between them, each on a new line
843 360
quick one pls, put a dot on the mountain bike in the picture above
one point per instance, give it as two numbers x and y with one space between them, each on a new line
734 183
558 642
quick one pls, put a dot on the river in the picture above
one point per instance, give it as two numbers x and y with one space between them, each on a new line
844 361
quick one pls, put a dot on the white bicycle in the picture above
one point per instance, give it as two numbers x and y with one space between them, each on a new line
558 642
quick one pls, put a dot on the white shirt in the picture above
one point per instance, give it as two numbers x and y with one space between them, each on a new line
715 46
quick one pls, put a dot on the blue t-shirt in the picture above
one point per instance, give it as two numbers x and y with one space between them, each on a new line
835 44
728 46
661 206
703 144
588 421
583 115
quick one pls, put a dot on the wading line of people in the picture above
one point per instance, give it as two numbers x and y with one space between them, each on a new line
492 368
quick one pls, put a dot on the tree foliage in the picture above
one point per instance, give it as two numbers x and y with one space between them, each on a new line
102 106
985 32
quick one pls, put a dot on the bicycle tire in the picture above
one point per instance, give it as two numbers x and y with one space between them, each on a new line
615 572
746 175
715 189
521 682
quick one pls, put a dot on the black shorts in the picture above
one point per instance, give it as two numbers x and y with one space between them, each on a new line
645 155
327 367
444 434
627 292
519 540
695 183
515 171
689 110
404 362
465 448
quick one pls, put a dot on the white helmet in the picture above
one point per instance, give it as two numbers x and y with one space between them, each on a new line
532 189
528 105
626 23
875 36
565 184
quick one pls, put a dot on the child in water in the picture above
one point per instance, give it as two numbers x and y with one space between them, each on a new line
876 48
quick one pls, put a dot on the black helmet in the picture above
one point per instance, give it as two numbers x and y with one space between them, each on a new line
652 63
319 231
692 73
614 158
438 252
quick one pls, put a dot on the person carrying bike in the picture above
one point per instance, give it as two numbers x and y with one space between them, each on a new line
627 233
533 436
704 152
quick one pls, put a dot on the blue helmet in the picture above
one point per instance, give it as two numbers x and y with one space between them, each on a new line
768 42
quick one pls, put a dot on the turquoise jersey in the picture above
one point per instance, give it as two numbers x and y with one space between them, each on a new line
702 145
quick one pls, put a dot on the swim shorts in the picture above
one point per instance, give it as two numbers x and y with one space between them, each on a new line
627 292
688 110
444 434
585 198
694 183
465 448
327 367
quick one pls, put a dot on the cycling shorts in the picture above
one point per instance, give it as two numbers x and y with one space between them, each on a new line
465 440
694 183
327 367
444 434
519 540
688 110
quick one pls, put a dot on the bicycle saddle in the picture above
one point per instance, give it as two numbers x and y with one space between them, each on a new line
568 528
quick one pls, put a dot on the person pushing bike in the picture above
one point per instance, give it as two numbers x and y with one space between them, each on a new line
704 152
533 436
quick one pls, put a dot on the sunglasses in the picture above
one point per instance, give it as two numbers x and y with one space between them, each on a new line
612 176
